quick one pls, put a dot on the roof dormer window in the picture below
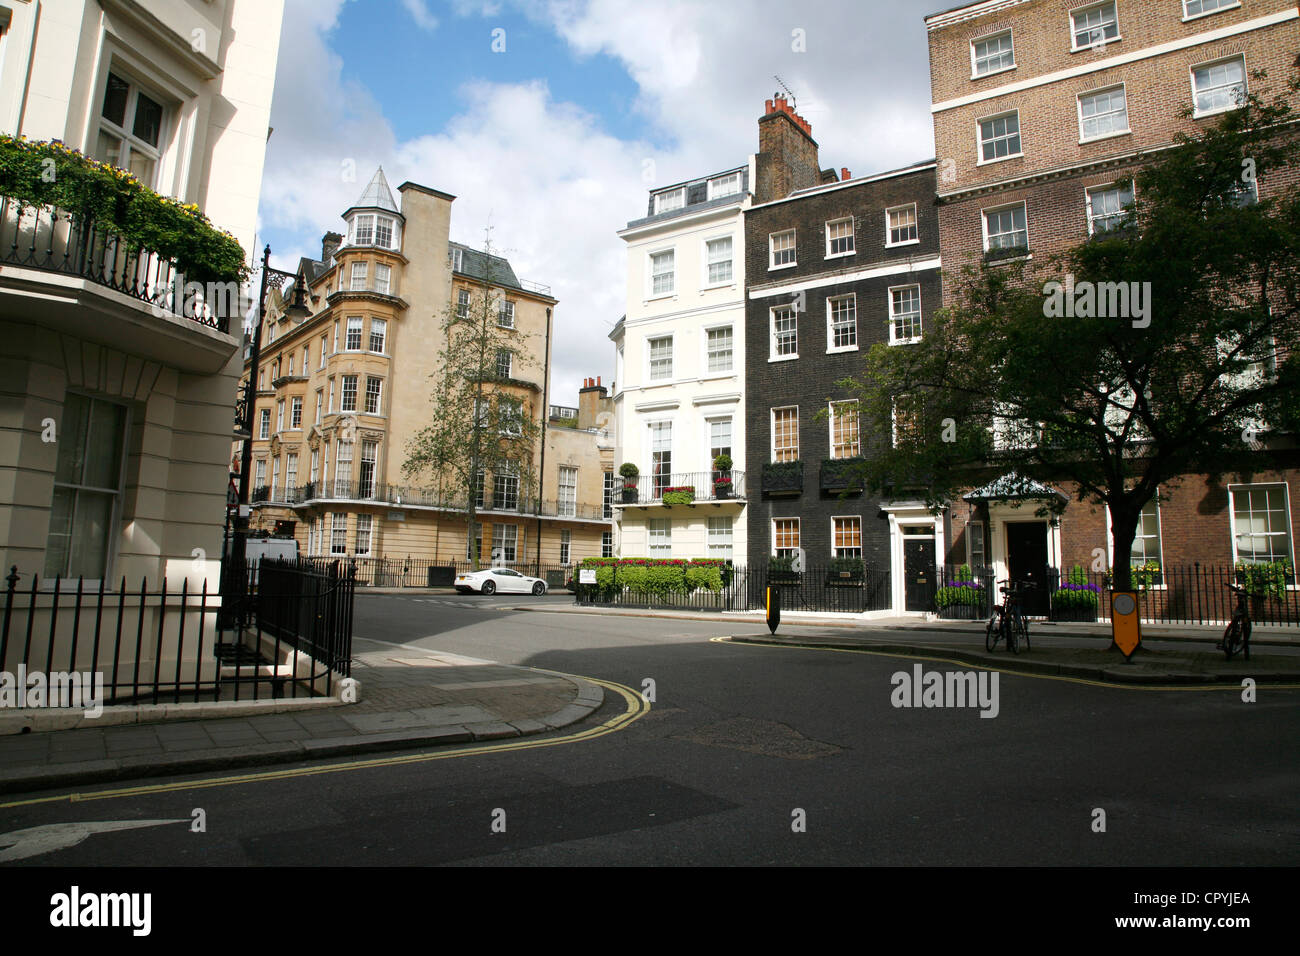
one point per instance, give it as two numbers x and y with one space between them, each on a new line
724 186
670 200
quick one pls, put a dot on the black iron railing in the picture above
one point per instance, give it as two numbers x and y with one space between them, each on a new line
682 488
53 240
782 478
403 496
280 629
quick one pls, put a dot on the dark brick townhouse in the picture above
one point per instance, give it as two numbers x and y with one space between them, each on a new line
1040 108
834 265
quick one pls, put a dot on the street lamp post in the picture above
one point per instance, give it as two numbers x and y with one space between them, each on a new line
233 576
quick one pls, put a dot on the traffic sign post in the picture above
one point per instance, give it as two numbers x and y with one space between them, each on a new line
773 605
1125 622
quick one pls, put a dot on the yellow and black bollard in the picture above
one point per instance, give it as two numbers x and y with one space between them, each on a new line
773 608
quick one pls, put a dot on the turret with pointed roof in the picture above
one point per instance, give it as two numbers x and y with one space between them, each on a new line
375 218
377 196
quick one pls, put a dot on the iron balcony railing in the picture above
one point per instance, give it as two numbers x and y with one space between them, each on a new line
695 485
52 240
406 496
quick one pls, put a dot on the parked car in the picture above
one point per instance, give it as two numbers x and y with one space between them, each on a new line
492 580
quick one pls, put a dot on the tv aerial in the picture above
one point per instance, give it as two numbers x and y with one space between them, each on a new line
793 102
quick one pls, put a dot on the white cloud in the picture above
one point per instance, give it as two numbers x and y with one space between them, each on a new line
421 14
554 184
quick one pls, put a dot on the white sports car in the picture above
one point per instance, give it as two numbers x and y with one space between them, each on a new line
492 580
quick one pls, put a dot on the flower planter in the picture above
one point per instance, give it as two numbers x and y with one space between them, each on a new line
843 579
960 612
1074 614
678 497
722 491
629 496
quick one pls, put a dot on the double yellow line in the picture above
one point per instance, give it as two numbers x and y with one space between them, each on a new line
1009 671
635 707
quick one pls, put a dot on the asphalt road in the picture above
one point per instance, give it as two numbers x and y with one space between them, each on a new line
749 755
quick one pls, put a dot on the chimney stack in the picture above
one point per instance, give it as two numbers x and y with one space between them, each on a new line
329 244
590 398
787 153
845 175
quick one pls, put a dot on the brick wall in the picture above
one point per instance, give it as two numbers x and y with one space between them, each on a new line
810 380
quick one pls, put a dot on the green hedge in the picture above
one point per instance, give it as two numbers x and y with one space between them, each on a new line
657 575
51 174
957 595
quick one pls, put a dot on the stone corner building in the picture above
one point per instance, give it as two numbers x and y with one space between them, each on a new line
341 395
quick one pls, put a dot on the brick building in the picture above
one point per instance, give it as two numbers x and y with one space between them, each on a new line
835 264
1041 108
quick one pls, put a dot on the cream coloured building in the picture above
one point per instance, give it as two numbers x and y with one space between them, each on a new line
341 395
117 408
679 371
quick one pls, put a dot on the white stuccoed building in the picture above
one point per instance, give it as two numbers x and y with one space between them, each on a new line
679 372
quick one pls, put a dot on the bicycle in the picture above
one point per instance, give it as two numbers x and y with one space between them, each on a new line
1237 634
1007 623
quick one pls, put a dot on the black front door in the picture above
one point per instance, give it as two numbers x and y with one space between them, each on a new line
918 573
1027 561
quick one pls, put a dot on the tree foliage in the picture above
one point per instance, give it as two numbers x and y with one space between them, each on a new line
1119 405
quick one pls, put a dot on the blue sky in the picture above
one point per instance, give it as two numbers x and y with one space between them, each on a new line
548 141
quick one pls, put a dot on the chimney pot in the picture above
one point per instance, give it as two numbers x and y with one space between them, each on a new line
844 173
598 381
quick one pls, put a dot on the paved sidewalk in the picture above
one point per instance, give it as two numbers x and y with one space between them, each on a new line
409 698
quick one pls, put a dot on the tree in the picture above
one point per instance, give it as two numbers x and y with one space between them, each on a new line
1154 350
480 421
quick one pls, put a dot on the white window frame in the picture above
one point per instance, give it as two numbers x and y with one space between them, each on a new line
861 534
831 347
1078 103
650 274
1286 504
463 301
893 419
715 190
80 489
279 416
971 528
1197 113
339 532
365 532
772 432
295 413
320 405
660 200
920 312
709 422
566 546
358 276
324 350
506 314
889 230
706 262
660 529
343 394
129 141
378 394
355 325
1087 201
1235 4
392 232
264 424
720 536
772 354
853 245
798 524
607 544
772 264
457 259
509 357
1087 8
566 492
708 352
974 59
831 407
650 360
979 138
382 332
383 278
984 222
1160 537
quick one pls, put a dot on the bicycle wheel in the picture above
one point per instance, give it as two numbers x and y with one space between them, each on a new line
1230 638
990 637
